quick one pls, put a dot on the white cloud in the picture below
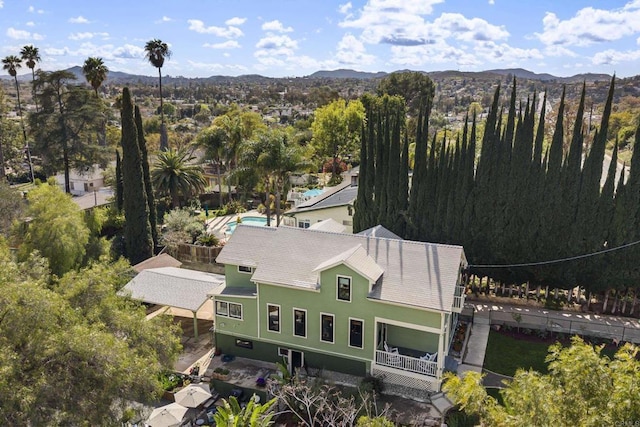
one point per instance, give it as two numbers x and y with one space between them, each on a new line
276 26
22 34
87 35
229 44
163 20
33 10
559 51
1 4
108 52
351 51
230 32
273 45
591 26
345 8
437 53
396 22
216 66
30 24
610 57
470 30
235 21
79 20
492 2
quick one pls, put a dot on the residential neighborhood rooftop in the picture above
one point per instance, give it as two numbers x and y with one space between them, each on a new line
413 273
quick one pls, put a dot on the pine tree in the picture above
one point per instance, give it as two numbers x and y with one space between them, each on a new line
137 232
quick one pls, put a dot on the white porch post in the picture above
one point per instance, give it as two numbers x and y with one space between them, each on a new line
195 324
441 344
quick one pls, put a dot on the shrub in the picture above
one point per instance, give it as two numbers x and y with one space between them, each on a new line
169 380
208 240
371 384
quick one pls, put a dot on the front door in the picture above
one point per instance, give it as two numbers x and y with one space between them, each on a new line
296 361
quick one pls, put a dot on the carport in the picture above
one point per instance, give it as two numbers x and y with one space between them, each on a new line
177 288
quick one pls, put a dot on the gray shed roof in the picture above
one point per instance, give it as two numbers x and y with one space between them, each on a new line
175 287
379 231
414 273
328 224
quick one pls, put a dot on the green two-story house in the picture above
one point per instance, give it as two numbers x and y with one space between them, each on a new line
352 303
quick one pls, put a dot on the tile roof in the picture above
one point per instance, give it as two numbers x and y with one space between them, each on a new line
414 273
175 287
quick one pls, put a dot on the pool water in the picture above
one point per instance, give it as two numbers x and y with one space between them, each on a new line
247 220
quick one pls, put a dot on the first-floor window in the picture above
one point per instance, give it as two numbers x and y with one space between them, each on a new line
304 223
326 333
356 327
300 322
274 317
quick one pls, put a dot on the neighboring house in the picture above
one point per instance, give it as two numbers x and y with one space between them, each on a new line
82 182
335 203
351 303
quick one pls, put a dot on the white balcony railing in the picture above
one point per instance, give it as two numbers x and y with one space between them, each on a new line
406 363
458 299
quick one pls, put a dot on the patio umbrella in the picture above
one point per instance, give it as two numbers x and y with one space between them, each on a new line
167 416
193 395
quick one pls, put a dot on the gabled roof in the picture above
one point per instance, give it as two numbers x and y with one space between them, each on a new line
328 224
414 273
357 259
379 231
175 287
162 260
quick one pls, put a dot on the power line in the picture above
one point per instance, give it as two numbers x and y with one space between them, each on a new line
554 261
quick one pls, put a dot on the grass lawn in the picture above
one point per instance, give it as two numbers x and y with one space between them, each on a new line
505 354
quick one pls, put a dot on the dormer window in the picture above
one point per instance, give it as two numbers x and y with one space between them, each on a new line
245 269
344 288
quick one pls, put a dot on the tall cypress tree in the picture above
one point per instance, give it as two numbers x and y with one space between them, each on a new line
119 189
144 158
137 231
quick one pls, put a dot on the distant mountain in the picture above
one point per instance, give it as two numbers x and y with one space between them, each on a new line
521 73
346 74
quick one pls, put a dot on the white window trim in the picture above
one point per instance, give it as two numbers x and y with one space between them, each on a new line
349 337
333 327
338 277
279 331
228 305
241 310
305 322
245 272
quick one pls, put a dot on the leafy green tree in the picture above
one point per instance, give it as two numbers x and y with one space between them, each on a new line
85 351
175 175
212 140
31 55
137 231
95 71
582 388
57 229
336 131
68 116
12 206
118 183
156 51
416 88
231 414
181 226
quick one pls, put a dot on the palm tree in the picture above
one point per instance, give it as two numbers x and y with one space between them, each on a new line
12 63
31 55
156 52
212 140
95 72
174 175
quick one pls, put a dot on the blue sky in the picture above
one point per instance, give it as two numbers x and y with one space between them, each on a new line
297 37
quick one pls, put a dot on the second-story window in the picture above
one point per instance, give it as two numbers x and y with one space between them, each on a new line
274 317
344 288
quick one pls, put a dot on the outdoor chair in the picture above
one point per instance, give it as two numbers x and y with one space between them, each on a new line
390 349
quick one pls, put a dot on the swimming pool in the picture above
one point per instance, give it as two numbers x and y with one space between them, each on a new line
257 221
